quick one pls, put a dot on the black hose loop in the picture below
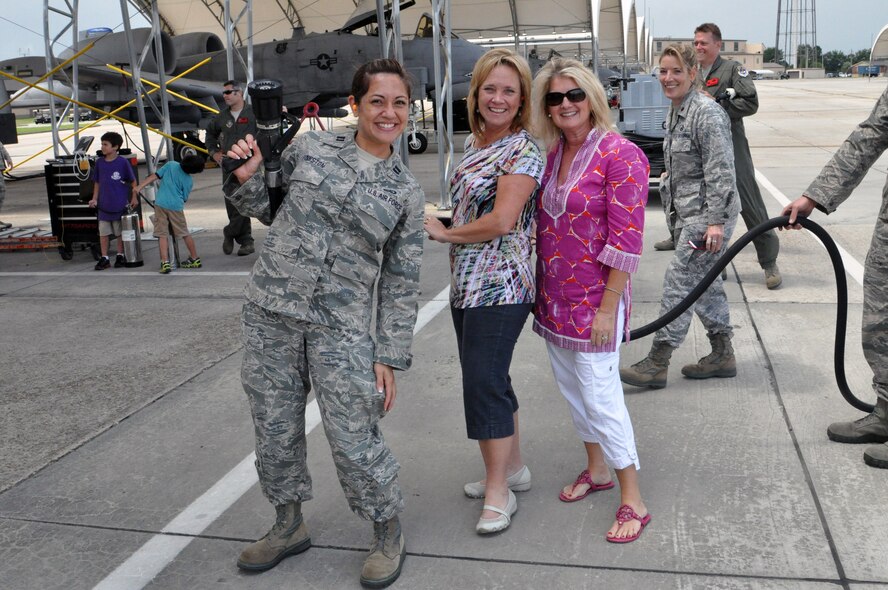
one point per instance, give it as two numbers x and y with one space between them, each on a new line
841 295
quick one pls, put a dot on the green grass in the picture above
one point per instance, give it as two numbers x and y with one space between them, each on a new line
25 126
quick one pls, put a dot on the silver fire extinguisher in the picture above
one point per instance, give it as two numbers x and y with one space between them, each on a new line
131 238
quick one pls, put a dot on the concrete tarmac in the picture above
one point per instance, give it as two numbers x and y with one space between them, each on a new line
126 436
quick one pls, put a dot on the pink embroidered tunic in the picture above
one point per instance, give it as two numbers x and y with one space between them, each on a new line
588 225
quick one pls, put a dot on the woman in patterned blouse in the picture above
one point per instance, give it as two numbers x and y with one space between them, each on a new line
492 286
590 217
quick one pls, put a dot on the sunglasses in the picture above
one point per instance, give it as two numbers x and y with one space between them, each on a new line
553 99
227 92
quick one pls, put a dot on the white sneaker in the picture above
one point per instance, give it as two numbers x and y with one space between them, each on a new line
517 482
486 526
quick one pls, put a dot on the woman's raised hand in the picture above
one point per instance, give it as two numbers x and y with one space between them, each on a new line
245 149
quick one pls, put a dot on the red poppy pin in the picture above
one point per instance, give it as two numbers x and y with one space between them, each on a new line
243 120
711 82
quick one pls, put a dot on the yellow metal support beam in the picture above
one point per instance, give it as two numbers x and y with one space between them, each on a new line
51 72
170 92
112 114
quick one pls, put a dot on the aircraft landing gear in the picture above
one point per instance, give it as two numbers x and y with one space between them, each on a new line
417 142
180 150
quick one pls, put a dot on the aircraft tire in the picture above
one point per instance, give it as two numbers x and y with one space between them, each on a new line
180 151
419 145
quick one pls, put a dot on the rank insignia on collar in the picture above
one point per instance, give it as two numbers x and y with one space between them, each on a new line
340 138
711 82
742 72
396 169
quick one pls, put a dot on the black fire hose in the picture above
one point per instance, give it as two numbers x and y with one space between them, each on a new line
841 295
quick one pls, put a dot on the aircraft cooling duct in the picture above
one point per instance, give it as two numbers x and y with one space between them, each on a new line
197 43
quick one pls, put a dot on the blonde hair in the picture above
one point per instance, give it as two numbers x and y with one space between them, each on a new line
687 57
559 67
483 67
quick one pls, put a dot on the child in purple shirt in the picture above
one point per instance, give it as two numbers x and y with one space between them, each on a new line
113 188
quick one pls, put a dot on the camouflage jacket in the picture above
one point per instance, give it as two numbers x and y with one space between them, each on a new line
700 182
850 163
224 131
336 232
726 73
5 159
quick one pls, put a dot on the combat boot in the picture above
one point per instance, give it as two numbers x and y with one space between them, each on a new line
718 363
288 536
387 554
872 428
773 279
667 244
651 370
877 456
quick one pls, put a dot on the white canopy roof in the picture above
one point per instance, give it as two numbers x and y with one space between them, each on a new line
620 31
879 52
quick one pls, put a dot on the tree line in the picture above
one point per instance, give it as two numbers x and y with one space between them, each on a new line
813 57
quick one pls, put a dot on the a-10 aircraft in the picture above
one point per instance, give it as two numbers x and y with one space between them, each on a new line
314 67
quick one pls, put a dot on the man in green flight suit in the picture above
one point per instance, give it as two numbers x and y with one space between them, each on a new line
730 84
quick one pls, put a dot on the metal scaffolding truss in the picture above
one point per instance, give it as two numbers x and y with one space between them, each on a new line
597 29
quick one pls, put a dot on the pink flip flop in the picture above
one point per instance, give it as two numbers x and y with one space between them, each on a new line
585 478
624 515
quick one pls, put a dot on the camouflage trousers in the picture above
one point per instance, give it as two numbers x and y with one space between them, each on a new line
2 191
875 305
283 358
685 271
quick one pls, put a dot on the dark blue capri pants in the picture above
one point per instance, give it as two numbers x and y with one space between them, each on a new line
486 338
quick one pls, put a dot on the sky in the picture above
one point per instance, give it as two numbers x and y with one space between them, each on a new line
841 24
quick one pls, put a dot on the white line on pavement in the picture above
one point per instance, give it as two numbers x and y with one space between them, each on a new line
852 266
152 557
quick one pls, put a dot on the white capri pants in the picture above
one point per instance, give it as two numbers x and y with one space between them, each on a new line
590 382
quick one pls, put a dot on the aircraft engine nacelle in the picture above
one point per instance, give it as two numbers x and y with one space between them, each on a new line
188 44
112 49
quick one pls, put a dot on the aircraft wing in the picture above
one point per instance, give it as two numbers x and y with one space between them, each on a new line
98 80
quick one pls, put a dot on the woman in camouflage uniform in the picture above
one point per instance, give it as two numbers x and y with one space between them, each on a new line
700 186
352 213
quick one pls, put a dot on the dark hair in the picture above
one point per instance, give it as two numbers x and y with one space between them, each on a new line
710 28
113 138
193 164
361 81
234 83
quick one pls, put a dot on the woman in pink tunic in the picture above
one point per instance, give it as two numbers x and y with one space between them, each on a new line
590 217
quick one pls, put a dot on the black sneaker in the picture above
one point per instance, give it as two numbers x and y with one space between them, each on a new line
103 263
165 267
191 263
120 261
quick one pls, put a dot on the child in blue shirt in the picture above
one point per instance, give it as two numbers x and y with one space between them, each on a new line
169 207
